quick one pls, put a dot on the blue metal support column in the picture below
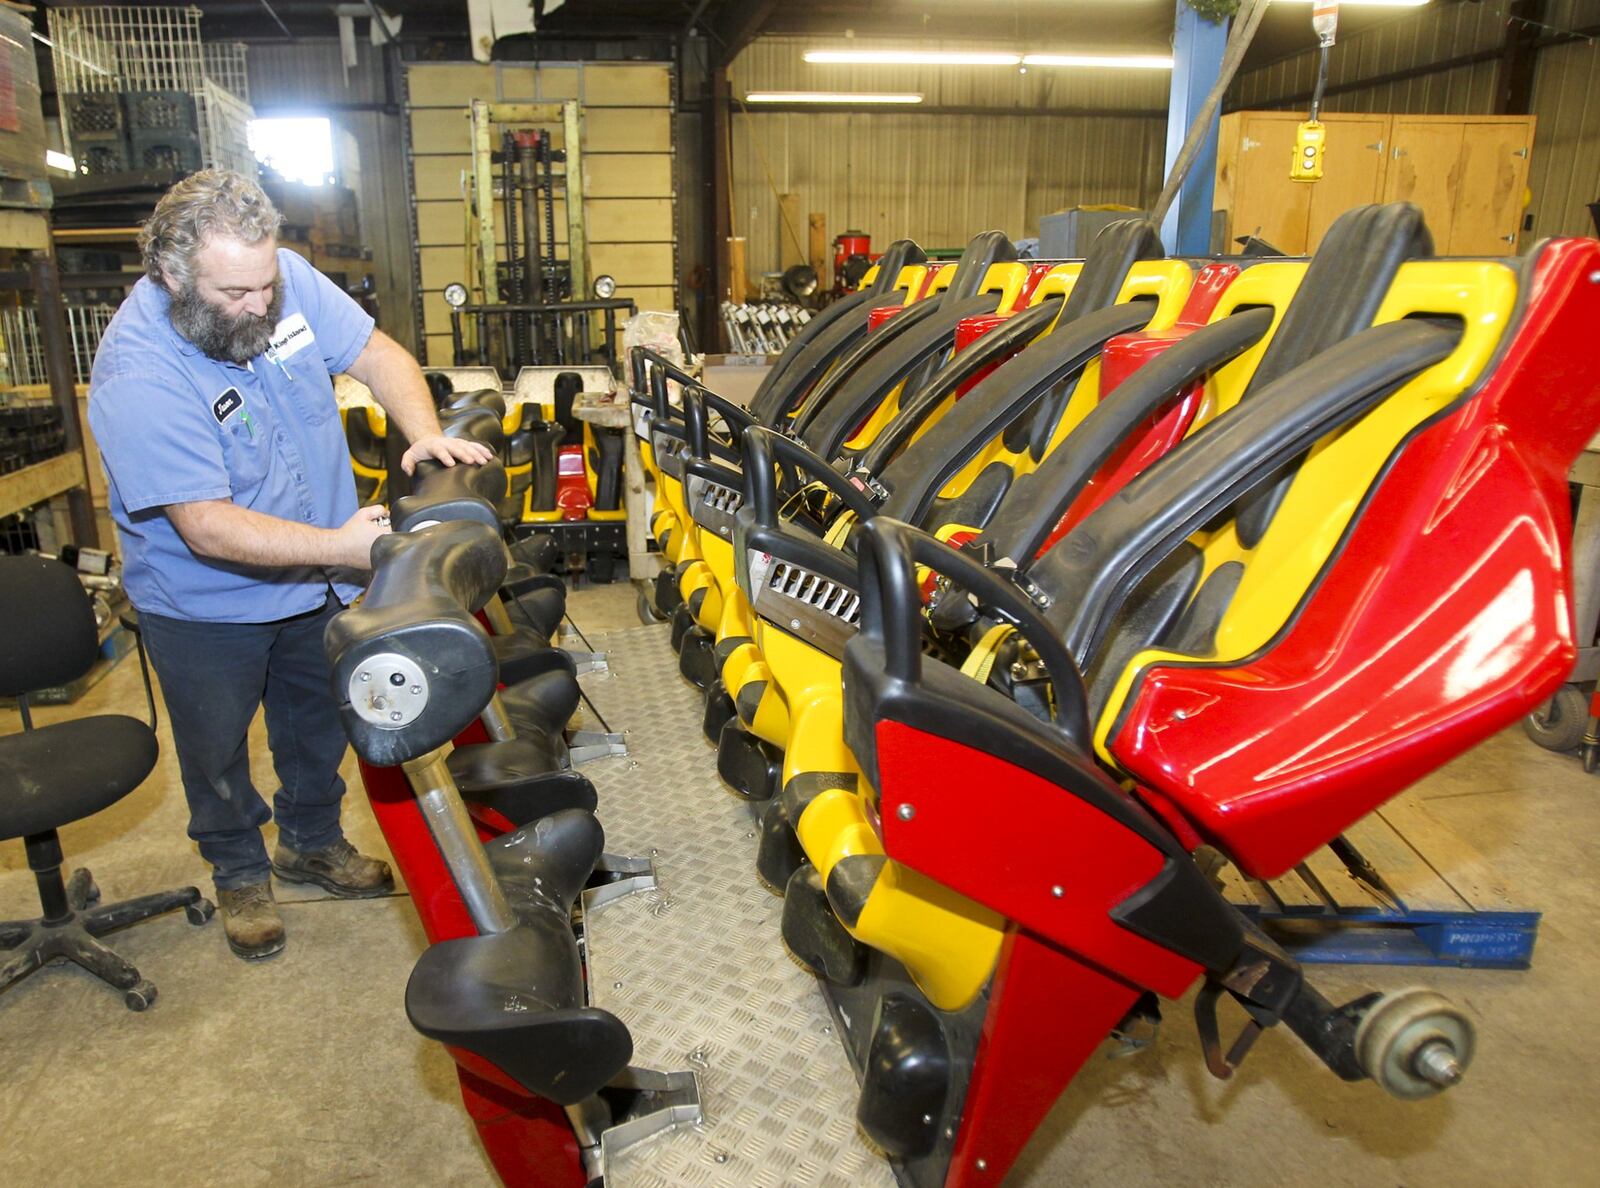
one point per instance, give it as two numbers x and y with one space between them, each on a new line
1197 46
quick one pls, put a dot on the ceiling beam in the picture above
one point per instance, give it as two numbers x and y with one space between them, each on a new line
737 25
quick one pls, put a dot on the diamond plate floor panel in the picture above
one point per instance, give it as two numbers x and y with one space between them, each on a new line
697 969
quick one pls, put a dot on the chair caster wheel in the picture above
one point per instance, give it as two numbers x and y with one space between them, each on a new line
199 913
140 996
82 891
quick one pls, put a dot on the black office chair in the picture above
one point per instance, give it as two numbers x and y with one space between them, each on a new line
62 773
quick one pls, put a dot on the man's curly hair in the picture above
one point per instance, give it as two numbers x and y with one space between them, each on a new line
203 205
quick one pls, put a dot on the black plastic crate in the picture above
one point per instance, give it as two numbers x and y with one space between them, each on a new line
98 157
93 114
161 111
177 152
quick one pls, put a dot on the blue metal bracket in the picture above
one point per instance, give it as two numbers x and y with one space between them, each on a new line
1197 47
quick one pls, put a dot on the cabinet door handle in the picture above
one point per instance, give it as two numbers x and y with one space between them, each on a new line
1398 152
1509 238
1376 147
1521 152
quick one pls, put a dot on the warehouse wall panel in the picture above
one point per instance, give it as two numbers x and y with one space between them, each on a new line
1565 168
937 178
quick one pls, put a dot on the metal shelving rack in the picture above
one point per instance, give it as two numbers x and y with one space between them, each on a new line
25 235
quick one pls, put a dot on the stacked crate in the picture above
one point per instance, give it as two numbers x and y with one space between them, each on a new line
136 95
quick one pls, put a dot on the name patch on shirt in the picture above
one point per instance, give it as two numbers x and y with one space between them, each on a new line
226 405
291 336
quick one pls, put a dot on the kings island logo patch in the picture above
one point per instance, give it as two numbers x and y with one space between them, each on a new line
226 405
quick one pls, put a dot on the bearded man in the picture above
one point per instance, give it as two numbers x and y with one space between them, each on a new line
212 403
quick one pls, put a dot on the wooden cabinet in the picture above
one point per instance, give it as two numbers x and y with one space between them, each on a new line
1468 173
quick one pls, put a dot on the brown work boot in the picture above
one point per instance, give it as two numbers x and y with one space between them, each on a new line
251 921
338 868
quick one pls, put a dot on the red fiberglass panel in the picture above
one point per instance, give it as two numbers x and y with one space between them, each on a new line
1005 837
1150 442
1445 616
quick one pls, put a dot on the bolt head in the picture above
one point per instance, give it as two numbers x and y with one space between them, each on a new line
366 676
397 679
415 690
906 811
794 624
1058 890
396 716
983 1165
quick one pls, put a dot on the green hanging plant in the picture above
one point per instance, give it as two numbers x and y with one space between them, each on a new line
1214 11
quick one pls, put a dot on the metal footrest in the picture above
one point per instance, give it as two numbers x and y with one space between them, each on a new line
588 661
586 745
618 876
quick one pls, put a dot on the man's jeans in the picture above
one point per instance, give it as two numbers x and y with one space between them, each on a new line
213 676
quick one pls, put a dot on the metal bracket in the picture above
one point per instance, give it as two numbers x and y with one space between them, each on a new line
586 745
586 662
663 1102
634 876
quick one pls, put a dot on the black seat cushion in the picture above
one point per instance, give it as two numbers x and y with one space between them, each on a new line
58 774
542 704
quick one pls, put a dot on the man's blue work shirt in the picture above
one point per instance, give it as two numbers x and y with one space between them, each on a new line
175 426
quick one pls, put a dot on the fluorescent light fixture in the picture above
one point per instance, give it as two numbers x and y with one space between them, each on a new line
830 97
1124 61
1365 3
60 161
912 58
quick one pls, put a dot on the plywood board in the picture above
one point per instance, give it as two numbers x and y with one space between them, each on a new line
558 82
438 349
791 231
817 245
633 263
1352 172
1424 167
629 220
435 313
1494 179
440 178
627 130
441 266
440 130
652 297
626 86
1262 206
628 175
448 85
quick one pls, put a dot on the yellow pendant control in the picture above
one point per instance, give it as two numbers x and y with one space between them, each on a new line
1309 140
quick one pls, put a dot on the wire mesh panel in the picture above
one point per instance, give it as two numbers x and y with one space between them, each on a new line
225 66
19 328
225 129
121 48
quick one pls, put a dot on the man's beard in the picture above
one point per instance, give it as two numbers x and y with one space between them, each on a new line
228 339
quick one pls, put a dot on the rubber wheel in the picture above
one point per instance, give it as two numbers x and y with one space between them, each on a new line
648 614
1558 724
140 996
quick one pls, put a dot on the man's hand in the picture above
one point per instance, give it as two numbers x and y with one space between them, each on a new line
448 450
354 538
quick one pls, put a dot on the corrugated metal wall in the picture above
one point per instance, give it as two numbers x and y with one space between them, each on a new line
939 178
1436 33
1565 167
307 74
1564 171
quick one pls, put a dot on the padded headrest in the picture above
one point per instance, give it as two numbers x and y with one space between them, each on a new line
984 249
900 254
1117 248
1345 283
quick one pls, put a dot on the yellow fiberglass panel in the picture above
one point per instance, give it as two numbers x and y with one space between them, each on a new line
948 943
1336 476
1169 282
1005 279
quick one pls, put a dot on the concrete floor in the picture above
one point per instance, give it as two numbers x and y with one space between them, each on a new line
303 1070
